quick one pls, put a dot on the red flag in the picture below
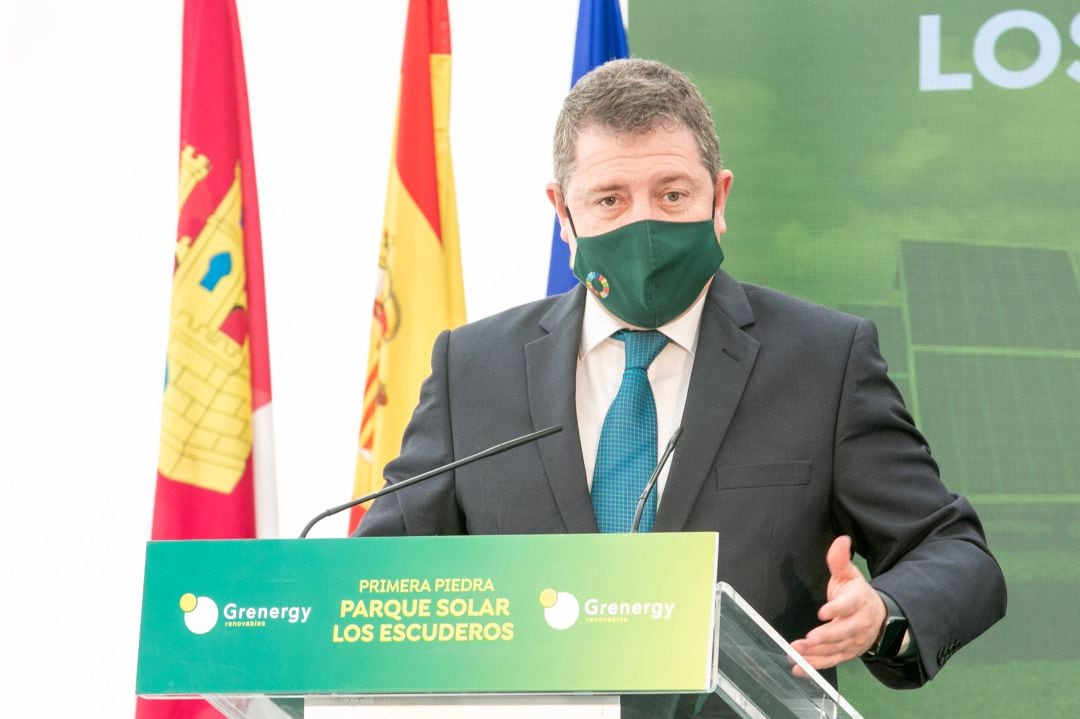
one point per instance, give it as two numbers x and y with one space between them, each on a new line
215 469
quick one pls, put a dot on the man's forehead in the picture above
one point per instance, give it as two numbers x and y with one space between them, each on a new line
591 133
604 159
659 124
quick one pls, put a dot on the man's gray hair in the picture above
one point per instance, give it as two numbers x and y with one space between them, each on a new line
633 97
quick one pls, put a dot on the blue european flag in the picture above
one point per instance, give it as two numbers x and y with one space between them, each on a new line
600 37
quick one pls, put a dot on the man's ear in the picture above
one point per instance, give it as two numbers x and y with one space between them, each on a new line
724 178
555 196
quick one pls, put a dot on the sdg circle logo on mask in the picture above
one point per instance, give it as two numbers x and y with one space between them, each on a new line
602 288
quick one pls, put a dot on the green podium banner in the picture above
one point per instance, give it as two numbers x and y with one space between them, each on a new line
440 615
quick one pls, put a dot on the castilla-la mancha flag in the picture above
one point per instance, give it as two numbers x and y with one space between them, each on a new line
215 474
419 292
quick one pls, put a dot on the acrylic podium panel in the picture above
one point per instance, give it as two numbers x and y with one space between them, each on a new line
756 672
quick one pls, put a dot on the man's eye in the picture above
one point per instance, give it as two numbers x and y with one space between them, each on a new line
608 201
673 196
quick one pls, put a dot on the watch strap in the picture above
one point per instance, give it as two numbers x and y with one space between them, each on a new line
891 635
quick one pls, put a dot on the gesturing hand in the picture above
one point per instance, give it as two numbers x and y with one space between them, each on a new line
852 616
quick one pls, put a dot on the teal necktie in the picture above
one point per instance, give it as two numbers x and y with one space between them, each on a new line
626 455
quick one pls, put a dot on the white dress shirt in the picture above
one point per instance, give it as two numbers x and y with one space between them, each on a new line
600 365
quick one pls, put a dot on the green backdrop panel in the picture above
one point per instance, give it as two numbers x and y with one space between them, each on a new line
918 163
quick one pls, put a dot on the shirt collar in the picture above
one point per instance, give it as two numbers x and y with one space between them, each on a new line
597 325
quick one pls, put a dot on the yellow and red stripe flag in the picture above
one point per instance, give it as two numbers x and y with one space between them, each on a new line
420 291
215 468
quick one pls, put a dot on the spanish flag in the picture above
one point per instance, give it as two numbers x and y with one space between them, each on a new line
419 292
215 466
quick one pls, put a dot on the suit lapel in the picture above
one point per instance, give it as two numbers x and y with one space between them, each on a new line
722 363
551 371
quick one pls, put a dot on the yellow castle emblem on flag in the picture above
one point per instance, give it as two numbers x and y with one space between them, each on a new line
206 423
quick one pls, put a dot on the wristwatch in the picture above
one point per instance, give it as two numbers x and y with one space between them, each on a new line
891 636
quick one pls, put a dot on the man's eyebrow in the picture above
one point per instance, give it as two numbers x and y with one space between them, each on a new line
618 186
677 177
604 189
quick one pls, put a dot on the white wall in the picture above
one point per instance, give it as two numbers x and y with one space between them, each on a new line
89 124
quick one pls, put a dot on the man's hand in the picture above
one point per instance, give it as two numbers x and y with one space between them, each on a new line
853 614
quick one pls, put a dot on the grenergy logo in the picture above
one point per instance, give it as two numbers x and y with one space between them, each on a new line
200 613
560 608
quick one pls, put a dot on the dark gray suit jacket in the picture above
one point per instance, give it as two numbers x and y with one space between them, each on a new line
792 435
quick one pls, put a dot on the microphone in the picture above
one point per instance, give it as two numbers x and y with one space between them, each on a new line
652 480
489 452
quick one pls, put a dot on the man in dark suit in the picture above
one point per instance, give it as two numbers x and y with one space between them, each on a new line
795 445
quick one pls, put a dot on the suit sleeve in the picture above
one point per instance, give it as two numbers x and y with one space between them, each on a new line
429 507
924 546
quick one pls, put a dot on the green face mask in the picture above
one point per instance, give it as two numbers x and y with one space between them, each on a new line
649 272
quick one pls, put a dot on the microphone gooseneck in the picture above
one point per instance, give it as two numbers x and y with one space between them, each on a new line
489 452
653 479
